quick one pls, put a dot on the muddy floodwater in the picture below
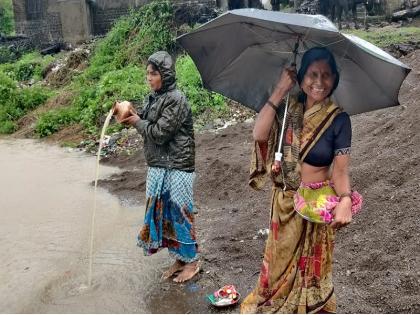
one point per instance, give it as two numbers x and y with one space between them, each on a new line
46 206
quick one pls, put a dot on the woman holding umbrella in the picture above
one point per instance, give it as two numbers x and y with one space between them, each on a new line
312 196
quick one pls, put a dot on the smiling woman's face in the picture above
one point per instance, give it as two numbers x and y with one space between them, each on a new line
318 81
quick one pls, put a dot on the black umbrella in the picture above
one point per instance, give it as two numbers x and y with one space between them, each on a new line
241 53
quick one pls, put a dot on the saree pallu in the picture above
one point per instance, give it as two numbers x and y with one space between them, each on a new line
296 274
169 218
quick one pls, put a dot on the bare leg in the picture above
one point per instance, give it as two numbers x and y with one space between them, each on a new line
188 272
178 265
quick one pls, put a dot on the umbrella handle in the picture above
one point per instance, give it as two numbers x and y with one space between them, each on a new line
278 153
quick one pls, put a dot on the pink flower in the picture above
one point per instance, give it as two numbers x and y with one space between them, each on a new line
357 201
325 215
299 202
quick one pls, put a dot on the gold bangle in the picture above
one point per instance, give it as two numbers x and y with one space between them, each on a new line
272 105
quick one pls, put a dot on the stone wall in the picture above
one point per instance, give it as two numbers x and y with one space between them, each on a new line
42 30
392 6
76 20
208 3
194 11
105 12
102 19
58 21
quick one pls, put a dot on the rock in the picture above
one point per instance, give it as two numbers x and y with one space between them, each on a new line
309 7
263 232
113 139
54 49
208 126
132 132
106 140
408 13
218 122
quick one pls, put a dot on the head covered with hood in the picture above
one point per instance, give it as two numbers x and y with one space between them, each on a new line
166 67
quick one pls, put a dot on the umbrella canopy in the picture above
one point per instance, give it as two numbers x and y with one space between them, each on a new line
241 54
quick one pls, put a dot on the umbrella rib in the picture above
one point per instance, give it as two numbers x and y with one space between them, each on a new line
354 61
291 33
327 45
305 36
236 22
370 77
253 38
268 40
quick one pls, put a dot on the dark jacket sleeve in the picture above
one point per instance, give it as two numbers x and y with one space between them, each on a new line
168 123
140 106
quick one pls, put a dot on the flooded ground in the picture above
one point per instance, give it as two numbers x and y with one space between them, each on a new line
46 206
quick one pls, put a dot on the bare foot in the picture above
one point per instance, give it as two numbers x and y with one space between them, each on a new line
178 265
189 271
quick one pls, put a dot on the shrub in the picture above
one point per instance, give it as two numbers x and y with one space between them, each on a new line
54 120
6 17
189 82
133 39
30 66
16 102
8 55
116 69
8 89
31 98
7 126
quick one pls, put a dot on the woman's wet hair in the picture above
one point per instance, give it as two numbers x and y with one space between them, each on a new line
154 66
317 54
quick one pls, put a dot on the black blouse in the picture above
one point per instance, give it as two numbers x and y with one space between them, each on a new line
336 140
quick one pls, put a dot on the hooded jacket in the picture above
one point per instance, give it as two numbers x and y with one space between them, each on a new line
166 122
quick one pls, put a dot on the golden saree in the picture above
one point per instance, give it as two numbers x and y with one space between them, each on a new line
296 274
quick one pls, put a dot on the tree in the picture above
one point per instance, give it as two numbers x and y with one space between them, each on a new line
6 17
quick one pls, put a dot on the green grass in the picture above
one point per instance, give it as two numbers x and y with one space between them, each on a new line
117 71
7 23
16 101
116 68
189 82
16 97
29 67
383 37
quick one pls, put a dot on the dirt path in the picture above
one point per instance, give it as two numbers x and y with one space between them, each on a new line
377 266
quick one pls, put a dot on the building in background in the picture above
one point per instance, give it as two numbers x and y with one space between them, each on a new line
48 22
73 21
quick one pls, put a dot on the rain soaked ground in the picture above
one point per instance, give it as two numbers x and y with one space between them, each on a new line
46 205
